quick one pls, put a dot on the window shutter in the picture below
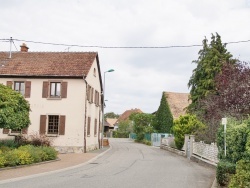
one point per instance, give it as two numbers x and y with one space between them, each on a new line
62 125
95 131
9 84
25 130
64 90
45 89
88 131
42 124
92 93
6 131
27 89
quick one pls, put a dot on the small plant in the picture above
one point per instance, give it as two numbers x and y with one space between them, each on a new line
40 140
242 176
224 172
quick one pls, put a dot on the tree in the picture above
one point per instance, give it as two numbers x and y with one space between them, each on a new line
14 109
125 127
142 124
186 124
163 119
209 64
111 115
233 87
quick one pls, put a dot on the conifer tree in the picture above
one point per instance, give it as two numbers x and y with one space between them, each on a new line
209 64
163 118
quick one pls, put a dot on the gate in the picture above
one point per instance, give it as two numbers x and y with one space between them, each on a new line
156 138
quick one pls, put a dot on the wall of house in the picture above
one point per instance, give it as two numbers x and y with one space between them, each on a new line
93 110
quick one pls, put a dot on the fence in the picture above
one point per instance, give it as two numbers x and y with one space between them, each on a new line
200 150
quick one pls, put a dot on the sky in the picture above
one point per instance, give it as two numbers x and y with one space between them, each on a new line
141 74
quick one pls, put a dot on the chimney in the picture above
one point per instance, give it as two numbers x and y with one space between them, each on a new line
24 48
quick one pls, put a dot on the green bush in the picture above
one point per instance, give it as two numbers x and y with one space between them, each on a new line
186 124
36 153
237 137
146 142
2 159
8 143
242 177
117 134
224 171
51 152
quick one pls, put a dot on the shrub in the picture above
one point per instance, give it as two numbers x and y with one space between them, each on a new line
237 136
36 153
51 152
12 158
224 171
186 124
146 142
242 176
40 140
2 159
8 143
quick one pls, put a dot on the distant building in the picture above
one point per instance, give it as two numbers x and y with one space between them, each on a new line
125 116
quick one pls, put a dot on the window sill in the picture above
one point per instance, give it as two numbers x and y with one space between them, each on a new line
88 135
54 98
14 134
52 135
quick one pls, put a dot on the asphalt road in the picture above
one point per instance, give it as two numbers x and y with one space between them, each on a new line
127 164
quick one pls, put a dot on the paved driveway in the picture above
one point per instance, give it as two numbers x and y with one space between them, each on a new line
127 164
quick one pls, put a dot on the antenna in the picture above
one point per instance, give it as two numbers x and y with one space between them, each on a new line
10 46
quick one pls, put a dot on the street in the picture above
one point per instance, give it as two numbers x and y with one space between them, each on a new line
126 164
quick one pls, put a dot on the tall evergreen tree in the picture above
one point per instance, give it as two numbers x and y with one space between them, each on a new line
209 64
163 118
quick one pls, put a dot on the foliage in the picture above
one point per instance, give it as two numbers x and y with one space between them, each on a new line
224 172
186 124
242 177
233 87
26 155
125 128
111 115
9 143
142 124
14 109
209 64
237 139
33 139
163 121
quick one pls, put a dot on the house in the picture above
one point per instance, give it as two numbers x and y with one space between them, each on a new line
178 102
109 124
125 116
64 91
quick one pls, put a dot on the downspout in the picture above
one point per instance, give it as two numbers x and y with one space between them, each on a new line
85 117
99 127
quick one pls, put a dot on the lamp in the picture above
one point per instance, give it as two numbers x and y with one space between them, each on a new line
110 70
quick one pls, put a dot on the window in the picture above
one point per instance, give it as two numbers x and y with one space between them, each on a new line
53 124
55 89
97 98
19 87
94 72
90 92
23 87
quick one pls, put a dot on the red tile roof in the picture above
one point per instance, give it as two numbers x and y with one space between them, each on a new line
127 113
64 64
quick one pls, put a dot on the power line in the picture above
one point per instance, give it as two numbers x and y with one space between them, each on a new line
124 47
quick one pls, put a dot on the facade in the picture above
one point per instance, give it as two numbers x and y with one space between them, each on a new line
64 91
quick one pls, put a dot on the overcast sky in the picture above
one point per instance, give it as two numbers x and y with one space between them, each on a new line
141 75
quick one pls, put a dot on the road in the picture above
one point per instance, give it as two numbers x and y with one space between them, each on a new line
127 164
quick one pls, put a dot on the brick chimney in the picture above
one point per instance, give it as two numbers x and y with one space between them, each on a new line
24 48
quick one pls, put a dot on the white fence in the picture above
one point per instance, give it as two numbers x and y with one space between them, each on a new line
207 151
199 150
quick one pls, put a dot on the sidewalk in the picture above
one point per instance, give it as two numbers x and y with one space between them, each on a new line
68 160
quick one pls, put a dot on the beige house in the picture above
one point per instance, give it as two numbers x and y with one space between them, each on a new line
64 91
178 102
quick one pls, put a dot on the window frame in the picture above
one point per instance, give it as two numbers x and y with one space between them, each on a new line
56 83
20 83
55 120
